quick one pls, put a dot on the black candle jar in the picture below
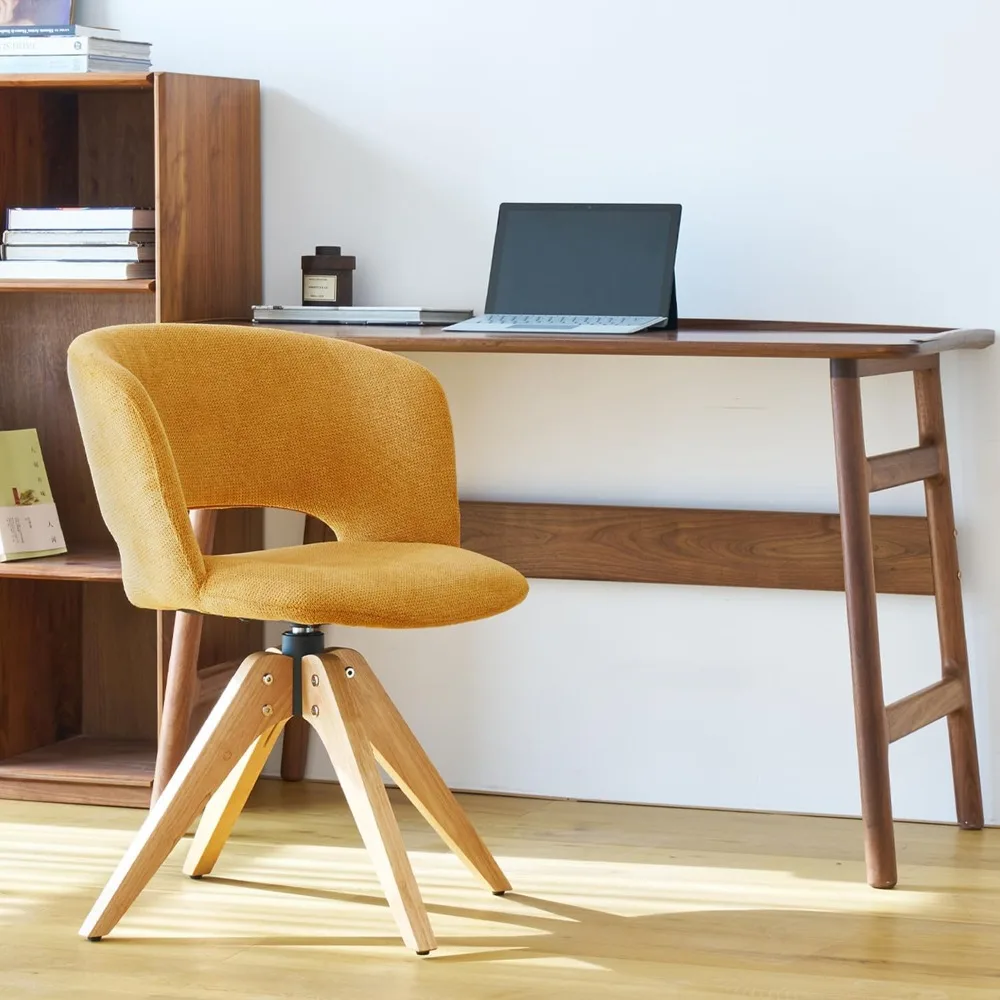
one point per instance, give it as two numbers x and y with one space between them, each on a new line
328 278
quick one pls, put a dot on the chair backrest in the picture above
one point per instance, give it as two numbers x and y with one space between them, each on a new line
177 417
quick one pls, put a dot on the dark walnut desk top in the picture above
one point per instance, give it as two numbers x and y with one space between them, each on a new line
696 337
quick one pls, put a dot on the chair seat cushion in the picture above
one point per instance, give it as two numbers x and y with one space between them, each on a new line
369 584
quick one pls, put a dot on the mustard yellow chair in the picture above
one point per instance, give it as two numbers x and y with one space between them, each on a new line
176 418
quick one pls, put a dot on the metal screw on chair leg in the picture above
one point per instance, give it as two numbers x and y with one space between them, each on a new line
349 672
314 680
268 679
267 710
315 710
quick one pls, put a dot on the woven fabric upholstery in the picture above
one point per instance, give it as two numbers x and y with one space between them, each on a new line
176 417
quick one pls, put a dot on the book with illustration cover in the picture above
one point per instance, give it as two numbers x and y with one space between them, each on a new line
44 15
29 523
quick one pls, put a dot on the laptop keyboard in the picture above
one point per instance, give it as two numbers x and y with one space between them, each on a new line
536 323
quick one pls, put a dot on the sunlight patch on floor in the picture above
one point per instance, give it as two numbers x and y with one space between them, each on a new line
260 887
608 901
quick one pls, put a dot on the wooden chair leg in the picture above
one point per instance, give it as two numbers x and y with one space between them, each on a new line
181 687
862 618
331 705
397 750
249 706
948 598
225 806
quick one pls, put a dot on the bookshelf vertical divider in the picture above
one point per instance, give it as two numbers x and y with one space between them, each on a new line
78 663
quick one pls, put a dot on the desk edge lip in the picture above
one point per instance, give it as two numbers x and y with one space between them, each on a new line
429 340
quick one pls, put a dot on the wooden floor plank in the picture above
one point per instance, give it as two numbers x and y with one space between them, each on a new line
623 901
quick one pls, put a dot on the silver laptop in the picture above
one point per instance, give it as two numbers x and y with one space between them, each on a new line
587 269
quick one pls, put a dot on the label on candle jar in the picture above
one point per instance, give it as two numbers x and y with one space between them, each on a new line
319 288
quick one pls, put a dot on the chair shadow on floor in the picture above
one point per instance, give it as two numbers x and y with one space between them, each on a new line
618 889
818 942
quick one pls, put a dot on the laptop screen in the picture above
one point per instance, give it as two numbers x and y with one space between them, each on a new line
584 260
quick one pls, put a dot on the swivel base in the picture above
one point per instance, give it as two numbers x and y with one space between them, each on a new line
359 726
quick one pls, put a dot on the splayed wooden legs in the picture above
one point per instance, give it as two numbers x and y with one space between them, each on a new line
225 806
332 705
359 727
862 619
879 724
249 706
948 597
397 750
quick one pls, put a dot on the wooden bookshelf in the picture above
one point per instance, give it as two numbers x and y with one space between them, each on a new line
87 769
82 82
78 566
79 679
142 285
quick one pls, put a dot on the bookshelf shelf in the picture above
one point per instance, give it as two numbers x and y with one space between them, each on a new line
79 81
131 285
85 769
81 669
82 567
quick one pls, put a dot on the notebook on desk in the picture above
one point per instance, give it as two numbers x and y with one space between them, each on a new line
588 269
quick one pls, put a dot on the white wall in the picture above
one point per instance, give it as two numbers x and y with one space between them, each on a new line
836 161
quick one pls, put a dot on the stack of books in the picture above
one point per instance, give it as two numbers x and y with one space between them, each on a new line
70 244
72 48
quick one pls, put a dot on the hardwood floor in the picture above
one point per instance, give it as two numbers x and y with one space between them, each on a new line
608 901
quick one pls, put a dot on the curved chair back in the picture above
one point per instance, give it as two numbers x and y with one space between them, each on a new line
177 417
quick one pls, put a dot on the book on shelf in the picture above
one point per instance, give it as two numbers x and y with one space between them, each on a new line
78 244
81 218
58 30
70 64
79 237
68 45
29 522
74 270
138 252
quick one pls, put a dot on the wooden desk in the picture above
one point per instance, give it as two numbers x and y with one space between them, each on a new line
853 552
695 338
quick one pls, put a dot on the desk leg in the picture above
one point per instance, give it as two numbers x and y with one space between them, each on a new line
862 620
181 685
294 749
948 598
